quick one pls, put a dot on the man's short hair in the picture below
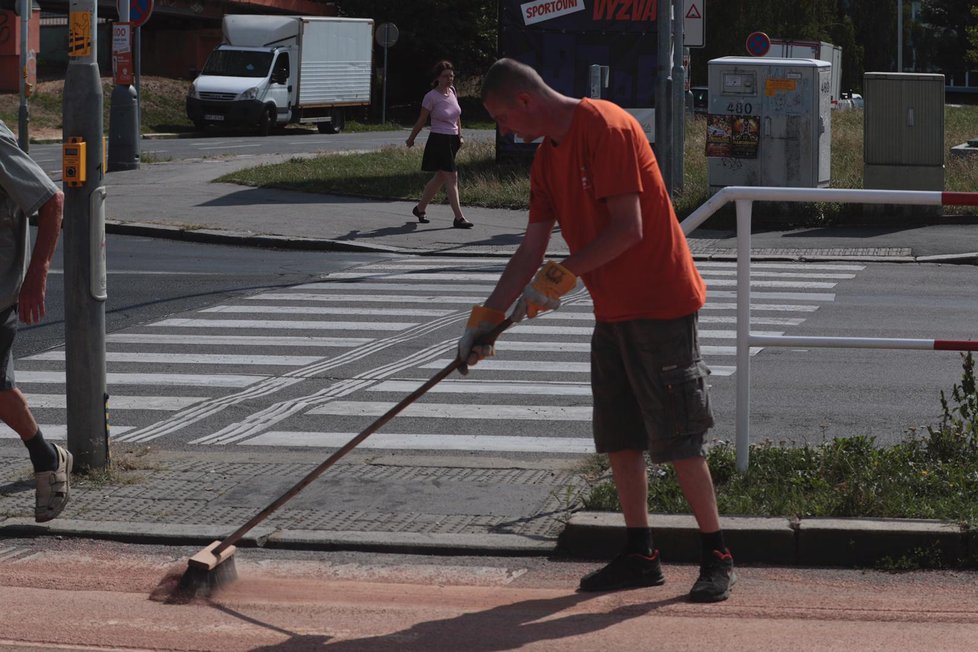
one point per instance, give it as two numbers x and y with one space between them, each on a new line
507 77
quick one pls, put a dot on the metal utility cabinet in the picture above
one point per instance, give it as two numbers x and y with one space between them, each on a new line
903 142
769 122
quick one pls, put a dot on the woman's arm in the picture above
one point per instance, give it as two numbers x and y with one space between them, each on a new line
418 126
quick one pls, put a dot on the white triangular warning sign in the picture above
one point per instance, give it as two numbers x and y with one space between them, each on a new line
693 12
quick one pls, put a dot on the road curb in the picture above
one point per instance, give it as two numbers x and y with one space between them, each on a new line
816 542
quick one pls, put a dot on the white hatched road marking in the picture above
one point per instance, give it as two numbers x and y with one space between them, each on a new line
493 364
475 276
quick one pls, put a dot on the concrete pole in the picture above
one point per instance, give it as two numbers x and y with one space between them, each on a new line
84 248
678 97
662 59
899 35
123 131
23 115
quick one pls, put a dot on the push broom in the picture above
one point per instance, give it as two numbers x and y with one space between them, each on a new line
213 566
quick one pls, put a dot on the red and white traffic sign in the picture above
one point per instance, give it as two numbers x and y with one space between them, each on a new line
694 19
139 11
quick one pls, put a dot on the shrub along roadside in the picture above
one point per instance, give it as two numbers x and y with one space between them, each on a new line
931 476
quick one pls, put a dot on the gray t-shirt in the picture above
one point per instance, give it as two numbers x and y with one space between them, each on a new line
24 188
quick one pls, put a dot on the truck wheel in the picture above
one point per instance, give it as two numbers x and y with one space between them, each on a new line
335 125
266 122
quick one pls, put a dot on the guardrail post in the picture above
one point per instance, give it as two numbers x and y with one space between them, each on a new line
742 376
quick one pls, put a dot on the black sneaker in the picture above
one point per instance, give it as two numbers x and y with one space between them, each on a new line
716 577
626 571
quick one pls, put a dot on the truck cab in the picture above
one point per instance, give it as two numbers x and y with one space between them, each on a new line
242 86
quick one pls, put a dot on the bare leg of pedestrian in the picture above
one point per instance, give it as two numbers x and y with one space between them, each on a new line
451 189
430 190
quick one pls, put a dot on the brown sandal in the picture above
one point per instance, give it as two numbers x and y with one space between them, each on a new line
462 223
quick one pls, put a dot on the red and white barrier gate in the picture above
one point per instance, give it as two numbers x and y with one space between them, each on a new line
744 198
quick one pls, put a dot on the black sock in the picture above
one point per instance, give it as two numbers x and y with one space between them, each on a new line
43 455
639 540
712 541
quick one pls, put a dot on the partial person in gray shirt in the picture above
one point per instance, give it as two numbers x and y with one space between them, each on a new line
26 190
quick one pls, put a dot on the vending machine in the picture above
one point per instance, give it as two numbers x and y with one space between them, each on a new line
769 122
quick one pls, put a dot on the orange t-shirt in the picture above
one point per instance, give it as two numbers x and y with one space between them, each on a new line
606 153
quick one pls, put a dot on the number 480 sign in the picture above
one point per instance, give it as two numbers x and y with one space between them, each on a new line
139 10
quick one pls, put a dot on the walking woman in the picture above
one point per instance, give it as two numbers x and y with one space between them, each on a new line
444 141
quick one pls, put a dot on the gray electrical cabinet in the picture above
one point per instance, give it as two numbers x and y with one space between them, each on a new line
769 122
903 125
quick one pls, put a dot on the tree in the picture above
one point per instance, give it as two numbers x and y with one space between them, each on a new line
951 22
430 30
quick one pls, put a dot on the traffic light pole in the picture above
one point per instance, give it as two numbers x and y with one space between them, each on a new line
123 123
84 243
23 115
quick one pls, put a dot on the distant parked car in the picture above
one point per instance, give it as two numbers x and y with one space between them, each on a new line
701 99
849 100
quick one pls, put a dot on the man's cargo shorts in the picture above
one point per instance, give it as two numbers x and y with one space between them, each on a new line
649 386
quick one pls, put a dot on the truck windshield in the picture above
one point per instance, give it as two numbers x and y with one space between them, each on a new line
238 63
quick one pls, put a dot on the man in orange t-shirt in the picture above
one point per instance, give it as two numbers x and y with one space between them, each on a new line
596 176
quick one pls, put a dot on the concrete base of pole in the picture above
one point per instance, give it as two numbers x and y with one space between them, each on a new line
123 130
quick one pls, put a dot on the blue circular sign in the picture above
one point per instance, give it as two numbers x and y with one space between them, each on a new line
758 44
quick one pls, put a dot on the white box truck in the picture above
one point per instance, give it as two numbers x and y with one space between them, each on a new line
820 50
275 70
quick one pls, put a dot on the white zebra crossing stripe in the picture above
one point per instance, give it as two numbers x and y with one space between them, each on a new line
561 315
401 298
530 327
541 366
495 364
57 431
476 387
475 276
166 380
478 411
386 441
438 288
708 264
773 296
331 310
189 339
59 401
194 358
182 322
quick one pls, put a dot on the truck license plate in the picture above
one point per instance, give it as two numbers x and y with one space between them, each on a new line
214 117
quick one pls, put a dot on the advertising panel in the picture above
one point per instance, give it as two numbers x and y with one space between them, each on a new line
562 39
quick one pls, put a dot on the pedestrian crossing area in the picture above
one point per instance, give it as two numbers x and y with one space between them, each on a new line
312 365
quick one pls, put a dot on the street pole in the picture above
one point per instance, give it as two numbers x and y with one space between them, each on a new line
662 133
899 35
123 131
678 97
84 243
23 115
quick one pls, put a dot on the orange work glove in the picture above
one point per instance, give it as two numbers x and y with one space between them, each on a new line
544 291
481 321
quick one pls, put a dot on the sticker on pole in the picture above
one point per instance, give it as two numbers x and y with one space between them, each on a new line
122 68
758 44
80 34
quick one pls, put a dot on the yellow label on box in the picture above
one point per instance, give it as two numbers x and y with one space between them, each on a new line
774 85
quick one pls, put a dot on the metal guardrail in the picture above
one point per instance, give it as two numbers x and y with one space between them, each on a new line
744 198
